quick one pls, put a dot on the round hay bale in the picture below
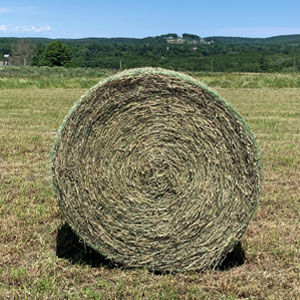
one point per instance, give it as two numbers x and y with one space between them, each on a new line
152 169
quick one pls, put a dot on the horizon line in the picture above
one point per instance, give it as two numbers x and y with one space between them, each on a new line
140 38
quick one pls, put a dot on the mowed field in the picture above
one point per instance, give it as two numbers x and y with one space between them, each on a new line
41 259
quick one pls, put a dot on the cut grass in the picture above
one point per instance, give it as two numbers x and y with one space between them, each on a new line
30 220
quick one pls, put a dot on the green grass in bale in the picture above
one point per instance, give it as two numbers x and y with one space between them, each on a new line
152 169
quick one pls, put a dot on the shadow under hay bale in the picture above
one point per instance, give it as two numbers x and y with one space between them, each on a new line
70 247
234 258
154 170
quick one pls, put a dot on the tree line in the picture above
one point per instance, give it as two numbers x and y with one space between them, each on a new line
190 53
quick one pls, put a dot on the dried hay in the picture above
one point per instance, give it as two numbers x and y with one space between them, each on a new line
152 169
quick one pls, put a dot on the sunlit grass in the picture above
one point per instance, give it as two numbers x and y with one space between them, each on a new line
59 77
248 80
46 77
30 219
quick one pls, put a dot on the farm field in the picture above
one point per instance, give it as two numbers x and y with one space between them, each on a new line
41 259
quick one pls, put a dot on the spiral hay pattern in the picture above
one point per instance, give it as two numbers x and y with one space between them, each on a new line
154 170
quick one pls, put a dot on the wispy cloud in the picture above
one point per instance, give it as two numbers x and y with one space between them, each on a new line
16 9
35 29
24 28
258 31
4 10
3 28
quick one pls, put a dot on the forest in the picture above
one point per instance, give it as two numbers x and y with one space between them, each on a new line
188 52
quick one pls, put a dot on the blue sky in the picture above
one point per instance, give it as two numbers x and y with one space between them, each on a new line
132 18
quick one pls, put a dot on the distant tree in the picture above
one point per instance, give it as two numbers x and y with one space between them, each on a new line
38 58
263 63
22 51
187 36
55 53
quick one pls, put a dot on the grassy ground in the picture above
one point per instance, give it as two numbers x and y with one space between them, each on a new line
58 77
46 77
39 259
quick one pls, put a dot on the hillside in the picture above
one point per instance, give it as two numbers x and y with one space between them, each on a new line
188 52
288 40
276 40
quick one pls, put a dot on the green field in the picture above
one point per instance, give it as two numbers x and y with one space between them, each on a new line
32 107
59 77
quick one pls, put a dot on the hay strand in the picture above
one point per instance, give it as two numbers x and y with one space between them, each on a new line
152 169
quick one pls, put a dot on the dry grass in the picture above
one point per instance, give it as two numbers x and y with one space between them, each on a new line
30 220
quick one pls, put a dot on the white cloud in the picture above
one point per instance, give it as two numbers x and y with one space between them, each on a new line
34 28
43 28
3 28
17 9
257 31
5 10
26 28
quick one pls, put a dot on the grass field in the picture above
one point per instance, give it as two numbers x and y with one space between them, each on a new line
58 77
39 260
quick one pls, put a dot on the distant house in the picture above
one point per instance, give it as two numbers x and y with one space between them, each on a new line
5 60
202 41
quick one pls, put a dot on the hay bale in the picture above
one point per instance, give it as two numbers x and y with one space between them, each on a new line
152 169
